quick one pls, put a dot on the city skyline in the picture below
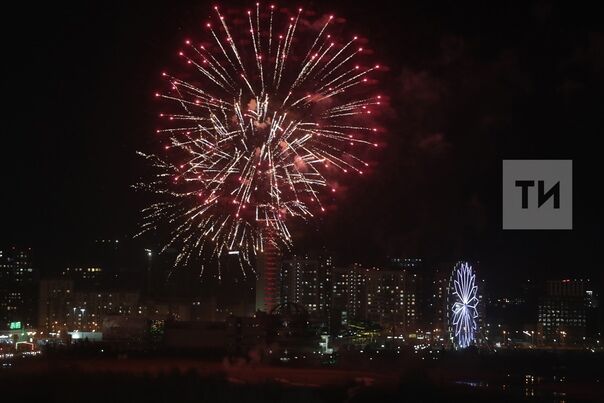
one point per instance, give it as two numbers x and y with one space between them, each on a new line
407 299
326 201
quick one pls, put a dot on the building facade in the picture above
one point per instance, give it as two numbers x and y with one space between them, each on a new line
562 311
305 281
17 288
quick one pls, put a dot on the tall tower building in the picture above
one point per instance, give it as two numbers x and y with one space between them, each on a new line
267 270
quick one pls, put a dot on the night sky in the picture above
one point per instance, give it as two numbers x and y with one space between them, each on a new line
470 84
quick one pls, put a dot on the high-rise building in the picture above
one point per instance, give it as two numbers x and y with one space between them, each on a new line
17 288
437 301
414 290
417 293
562 313
267 270
348 293
386 299
391 297
55 304
305 281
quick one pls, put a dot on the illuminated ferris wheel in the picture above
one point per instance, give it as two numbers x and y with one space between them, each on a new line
462 306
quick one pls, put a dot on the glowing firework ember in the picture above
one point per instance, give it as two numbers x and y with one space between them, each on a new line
464 306
271 110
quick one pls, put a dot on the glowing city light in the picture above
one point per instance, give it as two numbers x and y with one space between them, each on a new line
464 302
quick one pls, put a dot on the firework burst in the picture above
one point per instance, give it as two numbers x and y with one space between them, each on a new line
271 109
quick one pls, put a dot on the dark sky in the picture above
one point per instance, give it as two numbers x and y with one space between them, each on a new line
470 83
